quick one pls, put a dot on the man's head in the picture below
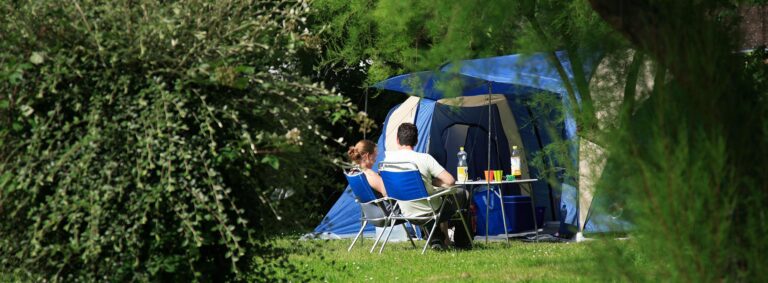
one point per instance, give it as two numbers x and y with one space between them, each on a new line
407 134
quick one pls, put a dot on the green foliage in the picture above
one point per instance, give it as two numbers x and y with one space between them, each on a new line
686 161
400 36
696 217
154 140
405 36
554 160
756 67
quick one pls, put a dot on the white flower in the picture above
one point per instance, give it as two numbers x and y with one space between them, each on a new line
294 136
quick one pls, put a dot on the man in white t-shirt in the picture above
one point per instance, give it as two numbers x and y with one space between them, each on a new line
434 176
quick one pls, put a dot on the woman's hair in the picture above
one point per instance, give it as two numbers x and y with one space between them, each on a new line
360 149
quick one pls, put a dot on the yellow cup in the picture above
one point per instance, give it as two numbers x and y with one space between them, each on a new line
497 175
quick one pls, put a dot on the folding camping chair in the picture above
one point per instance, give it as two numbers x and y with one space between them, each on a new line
373 210
403 183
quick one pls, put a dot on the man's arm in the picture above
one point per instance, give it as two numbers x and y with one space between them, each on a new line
444 179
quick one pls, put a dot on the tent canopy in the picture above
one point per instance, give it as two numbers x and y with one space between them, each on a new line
510 75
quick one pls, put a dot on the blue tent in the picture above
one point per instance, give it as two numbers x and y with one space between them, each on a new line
343 219
513 80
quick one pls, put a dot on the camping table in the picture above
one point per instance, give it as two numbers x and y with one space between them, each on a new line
471 186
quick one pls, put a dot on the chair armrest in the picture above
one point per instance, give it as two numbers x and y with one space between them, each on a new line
378 200
444 191
440 193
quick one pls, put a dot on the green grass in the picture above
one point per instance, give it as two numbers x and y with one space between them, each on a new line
328 260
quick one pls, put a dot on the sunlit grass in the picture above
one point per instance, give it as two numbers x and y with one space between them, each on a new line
328 260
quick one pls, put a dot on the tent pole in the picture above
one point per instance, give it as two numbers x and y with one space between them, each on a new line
501 195
488 180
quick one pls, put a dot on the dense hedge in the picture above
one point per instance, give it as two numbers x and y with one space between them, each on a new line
152 140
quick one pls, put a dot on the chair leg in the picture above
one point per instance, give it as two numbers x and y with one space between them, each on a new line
387 239
429 238
362 227
409 235
386 224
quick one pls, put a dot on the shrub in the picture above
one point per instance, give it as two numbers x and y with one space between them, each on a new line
153 140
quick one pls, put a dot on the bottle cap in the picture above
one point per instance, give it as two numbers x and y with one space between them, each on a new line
514 147
461 148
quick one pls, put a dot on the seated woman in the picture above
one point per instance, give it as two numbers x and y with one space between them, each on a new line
363 154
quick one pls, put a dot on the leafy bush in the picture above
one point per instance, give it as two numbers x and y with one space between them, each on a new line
154 140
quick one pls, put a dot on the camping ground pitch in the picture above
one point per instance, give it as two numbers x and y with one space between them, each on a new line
329 261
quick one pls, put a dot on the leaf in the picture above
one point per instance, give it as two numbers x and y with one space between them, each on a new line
240 83
16 76
245 70
337 116
272 161
17 126
4 104
7 177
26 110
36 58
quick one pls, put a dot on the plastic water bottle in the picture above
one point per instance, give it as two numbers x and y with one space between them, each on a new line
515 162
461 169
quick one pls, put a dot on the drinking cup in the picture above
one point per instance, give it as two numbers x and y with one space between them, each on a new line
497 175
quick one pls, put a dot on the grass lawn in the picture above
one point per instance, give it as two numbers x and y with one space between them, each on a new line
329 261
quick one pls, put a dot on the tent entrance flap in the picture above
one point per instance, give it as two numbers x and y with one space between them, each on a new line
468 127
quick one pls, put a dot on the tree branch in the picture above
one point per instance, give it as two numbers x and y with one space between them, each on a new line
552 56
657 27
630 85
588 114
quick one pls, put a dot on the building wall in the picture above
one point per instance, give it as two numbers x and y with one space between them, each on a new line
754 26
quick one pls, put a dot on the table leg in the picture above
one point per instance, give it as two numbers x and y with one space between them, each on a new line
503 214
487 211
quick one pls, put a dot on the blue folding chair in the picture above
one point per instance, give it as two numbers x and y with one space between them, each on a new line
373 210
403 183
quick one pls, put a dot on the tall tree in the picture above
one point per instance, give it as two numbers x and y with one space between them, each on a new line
695 150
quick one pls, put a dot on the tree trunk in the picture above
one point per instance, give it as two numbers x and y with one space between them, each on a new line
698 46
